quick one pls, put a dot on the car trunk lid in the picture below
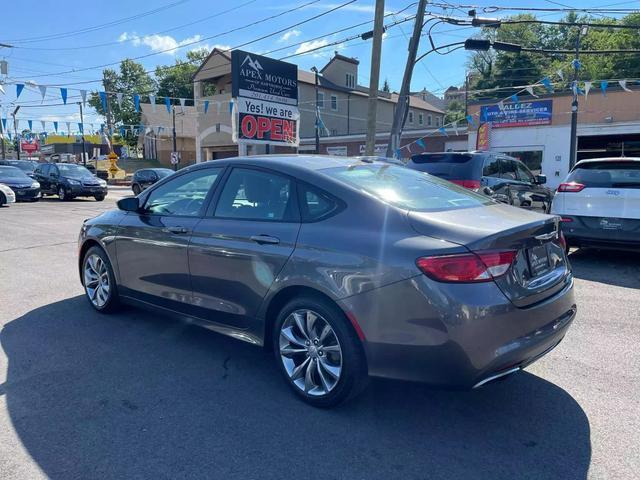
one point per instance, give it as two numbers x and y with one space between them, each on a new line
540 268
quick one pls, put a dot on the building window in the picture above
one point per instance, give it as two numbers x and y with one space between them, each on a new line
420 119
334 102
350 80
437 121
429 120
410 117
320 99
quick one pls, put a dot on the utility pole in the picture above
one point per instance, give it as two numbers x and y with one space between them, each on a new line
108 112
84 149
374 78
2 139
403 98
315 71
15 131
573 146
175 146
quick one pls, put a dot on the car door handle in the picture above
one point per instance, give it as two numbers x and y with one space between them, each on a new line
176 230
265 239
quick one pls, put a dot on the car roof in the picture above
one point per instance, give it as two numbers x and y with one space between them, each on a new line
607 159
296 161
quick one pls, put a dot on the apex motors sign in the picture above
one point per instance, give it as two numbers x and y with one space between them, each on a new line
265 95
521 114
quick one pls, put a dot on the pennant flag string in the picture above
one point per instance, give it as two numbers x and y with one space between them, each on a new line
63 94
19 88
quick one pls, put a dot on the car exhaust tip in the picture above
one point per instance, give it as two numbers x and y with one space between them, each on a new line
496 377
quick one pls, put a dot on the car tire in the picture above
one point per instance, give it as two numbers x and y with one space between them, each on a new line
62 194
99 198
318 352
97 273
136 189
3 199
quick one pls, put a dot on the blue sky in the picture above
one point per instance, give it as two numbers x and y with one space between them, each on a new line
49 42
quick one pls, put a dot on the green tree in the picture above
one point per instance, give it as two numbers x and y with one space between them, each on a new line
176 80
131 78
454 112
385 86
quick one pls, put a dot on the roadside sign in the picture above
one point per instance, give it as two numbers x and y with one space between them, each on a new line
265 95
175 158
521 114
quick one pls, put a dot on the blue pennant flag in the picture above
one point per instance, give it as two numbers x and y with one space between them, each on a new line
55 126
399 153
136 102
575 63
102 127
603 86
103 99
81 127
443 131
63 94
546 82
9 133
167 102
4 123
514 98
122 131
421 144
30 122
19 88
206 106
470 120
231 106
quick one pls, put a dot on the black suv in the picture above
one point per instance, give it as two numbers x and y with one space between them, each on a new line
27 166
68 180
146 177
499 176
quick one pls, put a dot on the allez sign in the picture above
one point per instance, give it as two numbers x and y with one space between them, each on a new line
265 95
521 114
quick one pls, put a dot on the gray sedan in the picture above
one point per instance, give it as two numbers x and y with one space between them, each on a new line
346 268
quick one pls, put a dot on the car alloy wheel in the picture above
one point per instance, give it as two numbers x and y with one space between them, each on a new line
62 193
310 352
96 280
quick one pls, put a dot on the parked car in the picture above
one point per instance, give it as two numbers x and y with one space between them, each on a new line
27 166
24 187
499 176
345 268
599 203
68 180
6 195
146 177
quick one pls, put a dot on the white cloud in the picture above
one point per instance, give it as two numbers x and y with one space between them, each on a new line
290 34
166 43
306 46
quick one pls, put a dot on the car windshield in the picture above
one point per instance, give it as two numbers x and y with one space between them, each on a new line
12 172
607 174
408 189
73 171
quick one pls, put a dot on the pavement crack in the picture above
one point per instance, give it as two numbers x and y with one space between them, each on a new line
36 246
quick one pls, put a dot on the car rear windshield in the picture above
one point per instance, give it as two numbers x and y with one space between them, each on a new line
451 166
607 174
407 189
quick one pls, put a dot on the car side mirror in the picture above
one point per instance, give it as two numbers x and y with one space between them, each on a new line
541 179
129 204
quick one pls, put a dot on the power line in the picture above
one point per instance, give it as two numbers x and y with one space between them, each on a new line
94 28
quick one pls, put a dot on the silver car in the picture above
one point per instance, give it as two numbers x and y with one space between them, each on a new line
346 268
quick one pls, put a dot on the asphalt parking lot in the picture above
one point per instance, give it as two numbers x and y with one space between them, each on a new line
137 395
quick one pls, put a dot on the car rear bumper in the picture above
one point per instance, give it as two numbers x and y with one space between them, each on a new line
455 335
84 191
601 232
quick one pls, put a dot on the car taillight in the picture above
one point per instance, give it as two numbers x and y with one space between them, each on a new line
571 187
566 219
563 241
467 183
467 267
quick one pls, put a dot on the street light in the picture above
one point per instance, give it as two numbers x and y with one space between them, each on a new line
315 71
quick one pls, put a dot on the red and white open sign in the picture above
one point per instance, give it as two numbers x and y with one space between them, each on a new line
265 122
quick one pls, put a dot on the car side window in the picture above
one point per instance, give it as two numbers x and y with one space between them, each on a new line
491 167
53 171
315 204
183 195
508 169
256 195
524 175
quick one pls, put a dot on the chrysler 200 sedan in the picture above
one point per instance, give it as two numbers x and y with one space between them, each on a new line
346 268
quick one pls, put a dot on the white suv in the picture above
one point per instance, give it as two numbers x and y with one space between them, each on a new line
599 203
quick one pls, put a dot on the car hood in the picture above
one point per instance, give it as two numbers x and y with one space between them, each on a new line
485 227
15 182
